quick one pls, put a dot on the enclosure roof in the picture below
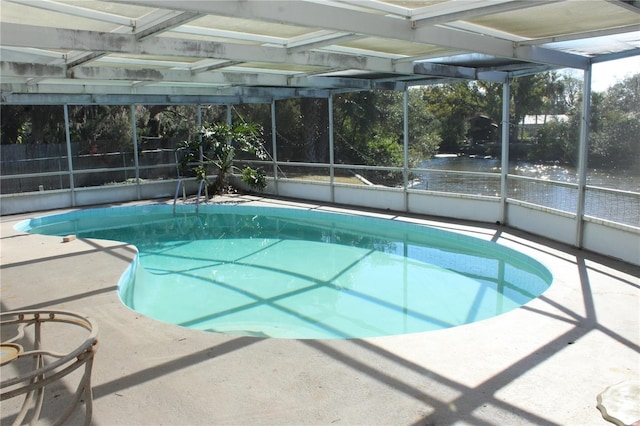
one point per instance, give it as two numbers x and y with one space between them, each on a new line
157 51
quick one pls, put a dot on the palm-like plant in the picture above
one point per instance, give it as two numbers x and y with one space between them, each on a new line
219 145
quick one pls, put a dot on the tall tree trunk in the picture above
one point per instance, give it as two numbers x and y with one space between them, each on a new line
315 129
39 116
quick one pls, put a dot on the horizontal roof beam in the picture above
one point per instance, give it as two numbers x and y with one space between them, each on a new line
457 72
446 12
15 69
78 11
332 82
581 35
223 78
84 99
446 71
79 40
300 44
39 56
165 22
324 15
550 57
55 93
616 55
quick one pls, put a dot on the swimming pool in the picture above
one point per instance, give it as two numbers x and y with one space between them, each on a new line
293 273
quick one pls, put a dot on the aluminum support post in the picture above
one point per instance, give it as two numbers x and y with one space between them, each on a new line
274 144
229 120
583 153
331 153
504 167
134 128
199 122
405 147
72 186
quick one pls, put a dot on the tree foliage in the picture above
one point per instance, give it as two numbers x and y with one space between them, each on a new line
33 124
369 130
614 127
218 144
451 105
368 126
615 138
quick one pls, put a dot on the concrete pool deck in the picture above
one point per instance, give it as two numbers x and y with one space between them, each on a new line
542 364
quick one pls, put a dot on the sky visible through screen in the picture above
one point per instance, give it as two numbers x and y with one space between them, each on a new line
606 74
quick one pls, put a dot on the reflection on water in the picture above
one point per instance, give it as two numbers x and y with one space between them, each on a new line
468 164
544 172
288 273
293 274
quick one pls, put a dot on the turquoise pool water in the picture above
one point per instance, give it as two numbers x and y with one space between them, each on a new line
292 273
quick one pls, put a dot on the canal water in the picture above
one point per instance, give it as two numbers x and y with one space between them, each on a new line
625 180
446 174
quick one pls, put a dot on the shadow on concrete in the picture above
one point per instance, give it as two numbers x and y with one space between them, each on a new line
469 400
97 248
172 366
461 409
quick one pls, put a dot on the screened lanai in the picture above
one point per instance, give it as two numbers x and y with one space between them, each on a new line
220 56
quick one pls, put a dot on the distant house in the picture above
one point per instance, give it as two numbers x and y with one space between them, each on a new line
532 123
481 129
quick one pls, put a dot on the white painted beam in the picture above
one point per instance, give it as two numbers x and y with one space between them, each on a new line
446 71
113 99
319 39
616 55
14 69
232 35
493 76
327 16
53 92
482 30
18 35
550 57
77 59
457 11
118 91
212 65
581 35
78 11
94 75
387 8
30 70
331 82
39 56
158 24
